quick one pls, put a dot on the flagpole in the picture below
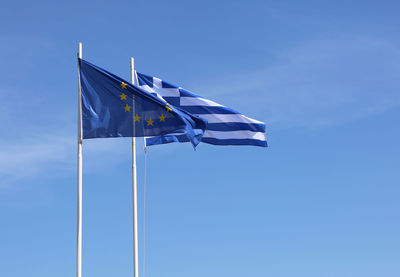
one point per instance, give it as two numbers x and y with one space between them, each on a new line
134 186
79 200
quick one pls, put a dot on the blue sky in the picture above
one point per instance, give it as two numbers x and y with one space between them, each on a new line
322 200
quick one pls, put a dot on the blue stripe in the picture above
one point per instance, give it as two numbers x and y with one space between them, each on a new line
167 85
208 110
213 141
145 80
233 126
254 142
185 93
165 139
174 101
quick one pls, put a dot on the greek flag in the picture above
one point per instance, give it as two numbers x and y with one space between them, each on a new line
225 126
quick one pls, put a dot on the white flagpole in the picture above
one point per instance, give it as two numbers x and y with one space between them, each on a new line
134 187
79 200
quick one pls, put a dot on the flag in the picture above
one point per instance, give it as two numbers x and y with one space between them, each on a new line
225 126
111 107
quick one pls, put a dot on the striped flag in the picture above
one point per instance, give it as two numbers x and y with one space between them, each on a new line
225 126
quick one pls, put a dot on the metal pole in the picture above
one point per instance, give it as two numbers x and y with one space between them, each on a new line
144 199
79 200
134 186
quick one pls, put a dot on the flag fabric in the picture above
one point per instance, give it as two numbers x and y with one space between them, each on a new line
111 107
224 125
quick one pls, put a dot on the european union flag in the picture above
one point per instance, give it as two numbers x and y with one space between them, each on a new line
111 107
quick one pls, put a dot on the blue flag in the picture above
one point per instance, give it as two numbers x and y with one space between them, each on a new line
111 107
225 126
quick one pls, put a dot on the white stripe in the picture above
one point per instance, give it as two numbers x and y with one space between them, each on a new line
234 135
227 135
147 88
164 92
159 96
169 92
196 131
157 83
172 134
195 101
224 118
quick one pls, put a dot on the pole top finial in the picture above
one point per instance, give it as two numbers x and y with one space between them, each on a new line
80 50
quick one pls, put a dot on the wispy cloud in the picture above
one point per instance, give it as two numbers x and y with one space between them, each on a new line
21 160
54 155
319 83
39 139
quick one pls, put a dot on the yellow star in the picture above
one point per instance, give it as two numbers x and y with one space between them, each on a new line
137 118
127 108
168 108
162 118
123 96
123 85
150 122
